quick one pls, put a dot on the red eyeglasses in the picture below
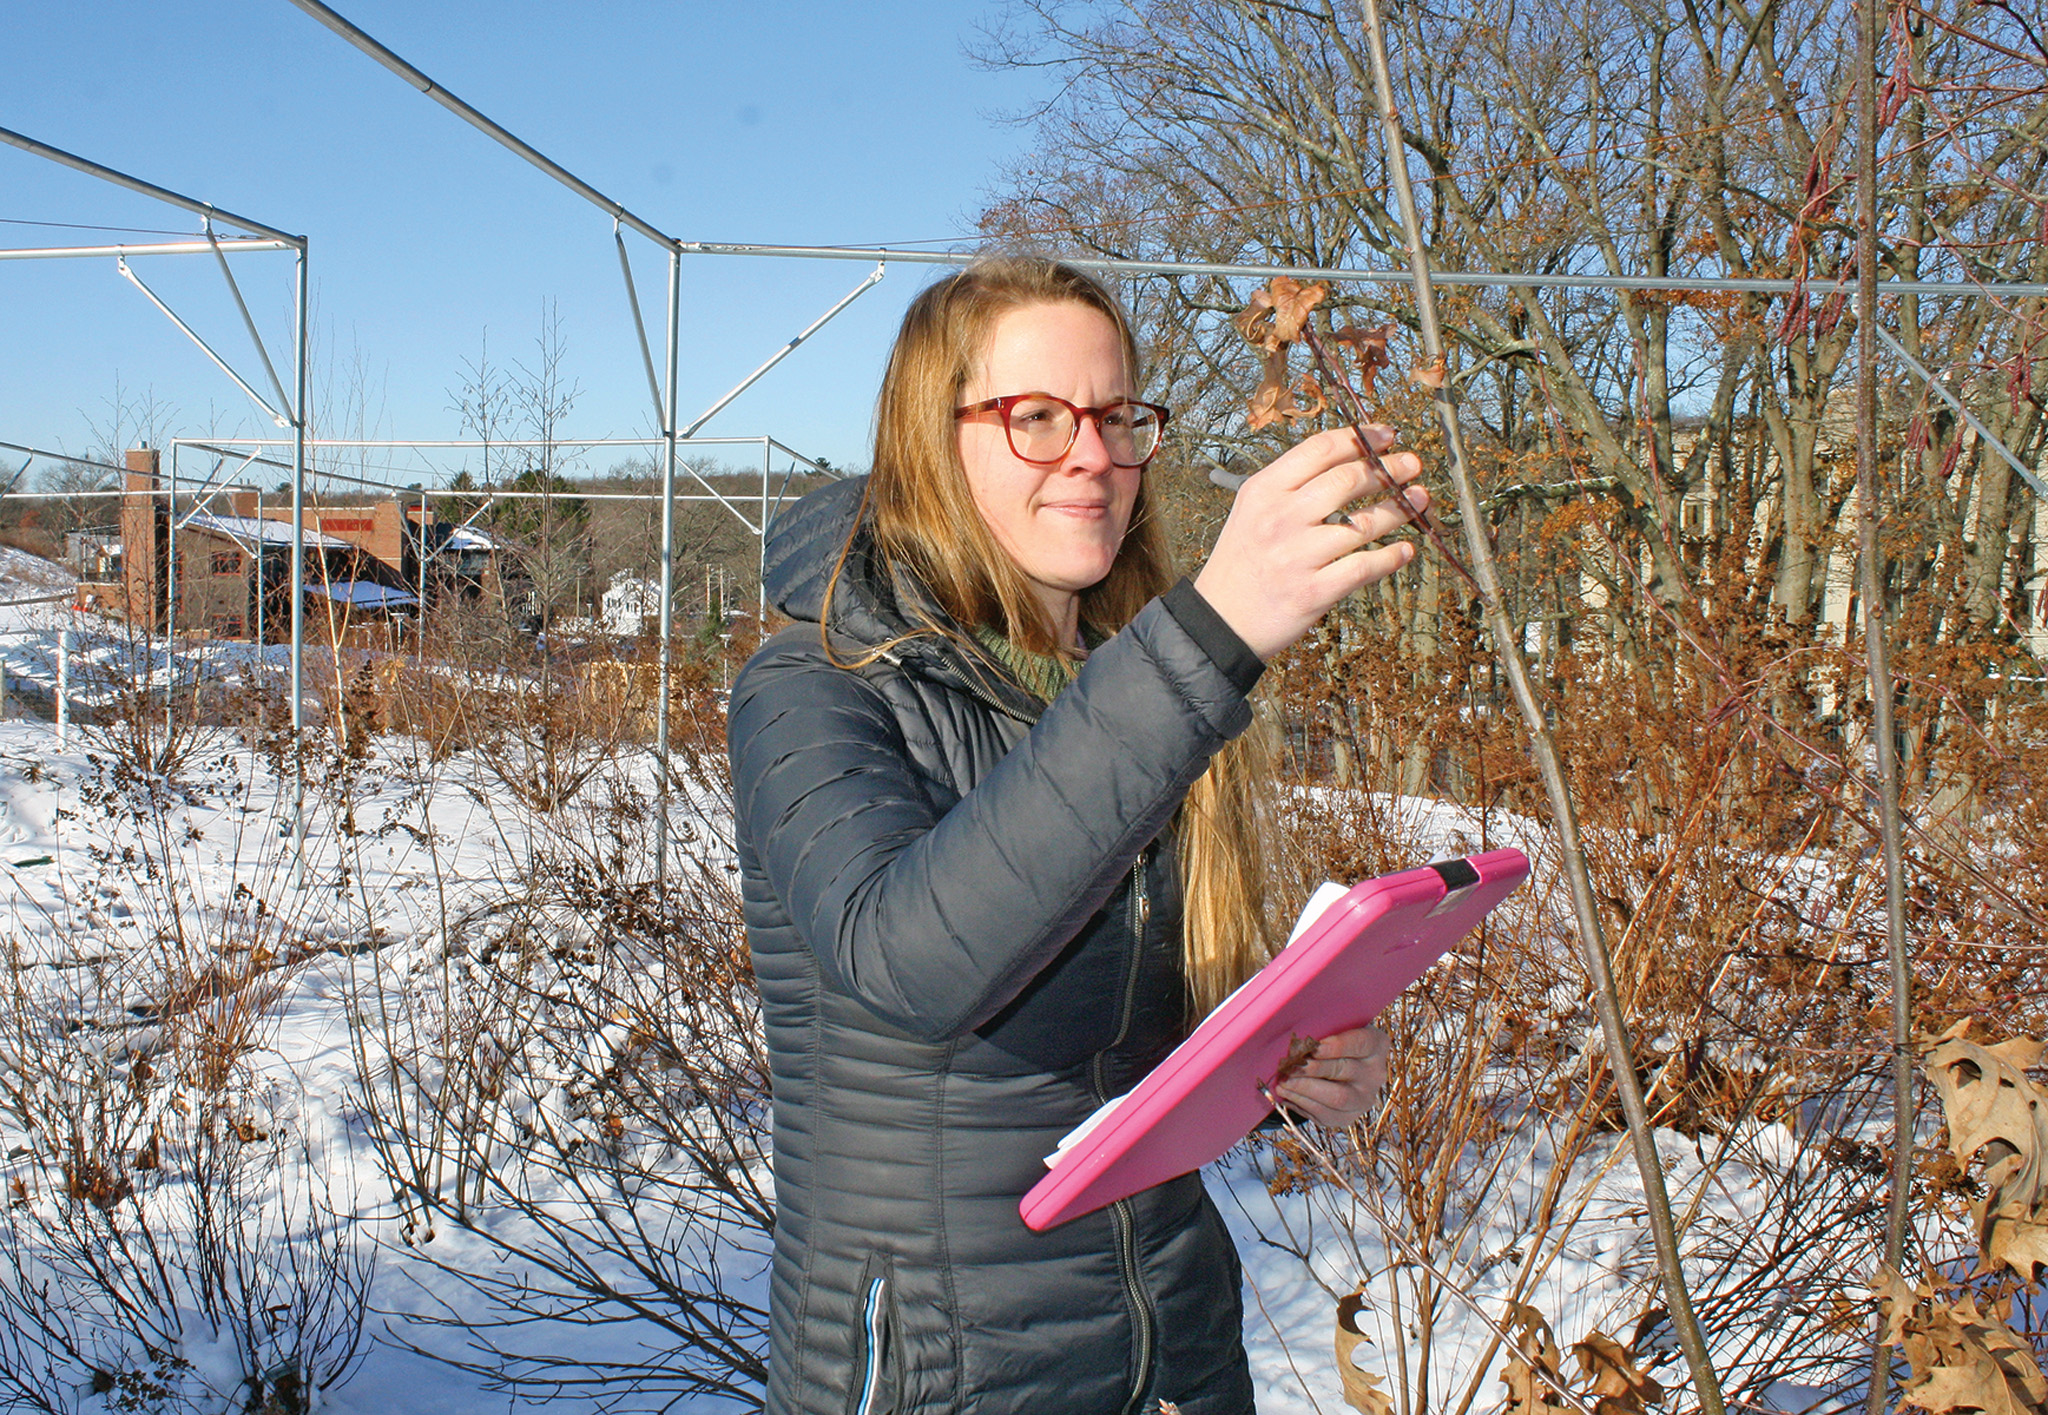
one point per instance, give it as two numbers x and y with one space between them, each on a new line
1042 427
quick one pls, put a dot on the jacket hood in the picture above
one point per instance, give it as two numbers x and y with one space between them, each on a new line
871 605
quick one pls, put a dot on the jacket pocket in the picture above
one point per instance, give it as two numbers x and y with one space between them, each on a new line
875 1382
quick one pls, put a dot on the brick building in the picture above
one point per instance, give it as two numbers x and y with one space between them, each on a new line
363 573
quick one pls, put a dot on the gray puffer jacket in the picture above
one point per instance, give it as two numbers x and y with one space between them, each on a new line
966 927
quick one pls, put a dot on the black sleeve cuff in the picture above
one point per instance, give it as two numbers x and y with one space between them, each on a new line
1215 638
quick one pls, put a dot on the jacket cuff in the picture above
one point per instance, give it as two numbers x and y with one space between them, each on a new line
1214 637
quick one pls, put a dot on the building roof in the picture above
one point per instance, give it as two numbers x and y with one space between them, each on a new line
248 528
470 538
364 594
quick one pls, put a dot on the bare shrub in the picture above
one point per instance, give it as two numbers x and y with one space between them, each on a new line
544 723
168 1241
1730 833
573 1078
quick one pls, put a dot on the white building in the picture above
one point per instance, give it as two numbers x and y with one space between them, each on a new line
631 606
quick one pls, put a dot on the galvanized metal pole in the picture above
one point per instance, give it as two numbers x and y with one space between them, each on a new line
668 564
298 655
232 245
64 686
171 598
2020 289
260 543
148 189
420 639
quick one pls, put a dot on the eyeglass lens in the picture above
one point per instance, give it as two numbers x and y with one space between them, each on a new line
1042 429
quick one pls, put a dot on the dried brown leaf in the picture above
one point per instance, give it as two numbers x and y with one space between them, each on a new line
1278 310
1304 389
1369 349
1536 1356
1429 375
1997 1113
2019 1243
1299 1050
1274 401
1618 1387
1361 1388
1265 401
1962 1358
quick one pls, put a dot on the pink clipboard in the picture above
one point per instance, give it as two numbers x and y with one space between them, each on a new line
1356 957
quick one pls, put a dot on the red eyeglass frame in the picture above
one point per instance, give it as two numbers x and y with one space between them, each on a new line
1011 400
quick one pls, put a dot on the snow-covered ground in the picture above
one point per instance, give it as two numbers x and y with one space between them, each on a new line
95 867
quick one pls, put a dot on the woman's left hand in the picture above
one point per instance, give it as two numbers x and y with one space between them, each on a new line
1340 1082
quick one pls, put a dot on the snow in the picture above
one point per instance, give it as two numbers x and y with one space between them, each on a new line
470 538
364 594
249 528
428 841
23 575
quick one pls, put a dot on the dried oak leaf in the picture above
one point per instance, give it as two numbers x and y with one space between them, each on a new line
1536 1357
1369 348
1278 310
1618 1387
1274 401
1305 388
1361 1388
1996 1112
1429 375
1962 1359
1264 403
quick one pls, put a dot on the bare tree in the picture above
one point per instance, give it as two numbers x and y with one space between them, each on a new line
1608 138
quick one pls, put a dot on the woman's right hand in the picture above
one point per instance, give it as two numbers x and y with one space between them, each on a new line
1281 563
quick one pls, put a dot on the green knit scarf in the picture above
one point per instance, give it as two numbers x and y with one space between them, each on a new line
1042 675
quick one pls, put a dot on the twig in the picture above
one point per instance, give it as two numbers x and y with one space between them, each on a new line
1354 412
1593 943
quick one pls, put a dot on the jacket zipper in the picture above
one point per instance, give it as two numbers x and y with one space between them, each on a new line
871 1332
1122 1214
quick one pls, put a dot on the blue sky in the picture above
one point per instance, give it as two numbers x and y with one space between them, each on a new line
774 121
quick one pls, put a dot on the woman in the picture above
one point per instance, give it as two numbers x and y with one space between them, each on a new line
964 873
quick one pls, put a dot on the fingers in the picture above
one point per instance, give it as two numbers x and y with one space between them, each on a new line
1349 482
1286 553
1383 517
1341 1081
1337 450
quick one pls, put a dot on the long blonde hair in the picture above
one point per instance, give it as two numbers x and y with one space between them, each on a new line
923 519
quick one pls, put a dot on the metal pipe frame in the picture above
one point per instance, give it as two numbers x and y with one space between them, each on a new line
477 442
665 656
266 238
1676 283
233 245
43 452
2027 474
248 320
231 447
121 264
113 491
665 399
203 209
